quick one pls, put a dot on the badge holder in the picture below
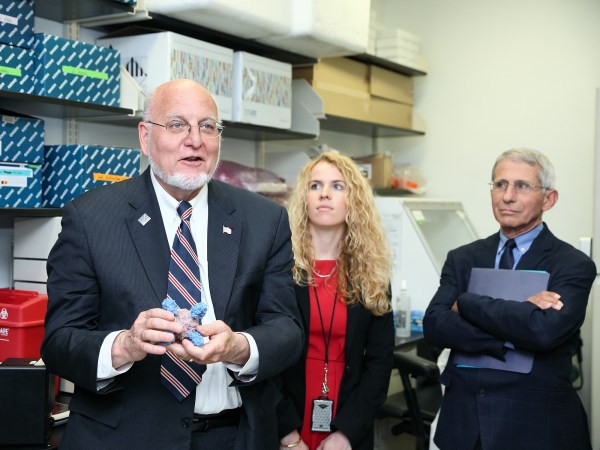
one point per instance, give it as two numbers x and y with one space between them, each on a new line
322 410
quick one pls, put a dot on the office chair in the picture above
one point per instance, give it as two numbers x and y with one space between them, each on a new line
417 405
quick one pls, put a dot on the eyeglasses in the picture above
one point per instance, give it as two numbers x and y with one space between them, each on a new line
207 128
520 187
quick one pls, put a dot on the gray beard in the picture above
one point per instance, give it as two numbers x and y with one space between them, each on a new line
181 181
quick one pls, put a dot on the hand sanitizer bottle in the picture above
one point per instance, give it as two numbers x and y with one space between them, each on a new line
402 312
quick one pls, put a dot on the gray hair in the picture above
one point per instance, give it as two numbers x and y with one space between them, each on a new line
148 104
534 158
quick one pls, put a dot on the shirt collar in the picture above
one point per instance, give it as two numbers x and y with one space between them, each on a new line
524 240
168 204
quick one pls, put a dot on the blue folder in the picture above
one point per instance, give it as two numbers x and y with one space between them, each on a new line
516 285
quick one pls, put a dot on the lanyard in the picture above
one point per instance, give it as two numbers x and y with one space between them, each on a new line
326 339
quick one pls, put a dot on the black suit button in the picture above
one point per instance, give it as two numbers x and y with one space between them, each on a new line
186 422
482 392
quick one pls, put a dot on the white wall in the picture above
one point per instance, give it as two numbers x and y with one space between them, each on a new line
501 75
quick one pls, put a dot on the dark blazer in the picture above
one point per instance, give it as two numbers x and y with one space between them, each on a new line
538 410
369 360
107 267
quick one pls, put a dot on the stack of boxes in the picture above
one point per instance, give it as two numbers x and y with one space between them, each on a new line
154 58
77 71
401 47
71 170
21 158
33 238
247 88
52 66
17 63
360 91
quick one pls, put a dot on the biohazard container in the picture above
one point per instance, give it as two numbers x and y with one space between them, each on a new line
21 323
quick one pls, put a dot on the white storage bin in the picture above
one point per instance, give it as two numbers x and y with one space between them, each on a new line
262 91
326 28
245 19
30 286
35 236
155 58
30 270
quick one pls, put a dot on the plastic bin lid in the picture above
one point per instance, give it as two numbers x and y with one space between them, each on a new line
22 308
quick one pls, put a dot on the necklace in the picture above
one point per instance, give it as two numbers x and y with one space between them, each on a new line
324 276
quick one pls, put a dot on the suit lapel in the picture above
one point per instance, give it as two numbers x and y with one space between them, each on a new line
540 248
486 257
149 236
224 234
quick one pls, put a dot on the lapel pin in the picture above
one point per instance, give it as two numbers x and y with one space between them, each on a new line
144 219
226 230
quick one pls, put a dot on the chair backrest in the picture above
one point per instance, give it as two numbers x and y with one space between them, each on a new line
413 366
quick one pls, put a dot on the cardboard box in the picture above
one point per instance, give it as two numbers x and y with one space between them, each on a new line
17 70
27 392
262 91
21 138
390 113
391 85
21 323
342 84
71 170
341 75
16 23
76 70
356 106
354 90
20 185
378 169
155 58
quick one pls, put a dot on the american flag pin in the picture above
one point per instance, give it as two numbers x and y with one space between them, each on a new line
226 230
144 219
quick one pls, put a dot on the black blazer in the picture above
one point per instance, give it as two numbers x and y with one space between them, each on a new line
369 360
106 267
538 410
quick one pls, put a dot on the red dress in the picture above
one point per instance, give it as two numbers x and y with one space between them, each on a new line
315 359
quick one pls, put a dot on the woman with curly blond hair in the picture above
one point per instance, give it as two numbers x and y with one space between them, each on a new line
342 274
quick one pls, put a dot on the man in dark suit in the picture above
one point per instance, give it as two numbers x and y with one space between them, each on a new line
107 276
493 409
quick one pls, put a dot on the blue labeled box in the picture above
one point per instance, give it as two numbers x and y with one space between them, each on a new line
71 170
20 185
78 71
17 70
16 22
21 138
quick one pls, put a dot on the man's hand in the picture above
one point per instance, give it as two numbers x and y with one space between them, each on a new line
223 346
151 328
546 300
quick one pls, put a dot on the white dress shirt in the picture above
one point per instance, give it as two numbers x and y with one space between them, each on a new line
213 394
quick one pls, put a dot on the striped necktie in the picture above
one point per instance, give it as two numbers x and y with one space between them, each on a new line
178 376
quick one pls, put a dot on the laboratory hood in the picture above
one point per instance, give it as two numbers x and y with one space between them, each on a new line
420 233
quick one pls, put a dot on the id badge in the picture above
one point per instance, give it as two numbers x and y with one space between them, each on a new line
322 412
